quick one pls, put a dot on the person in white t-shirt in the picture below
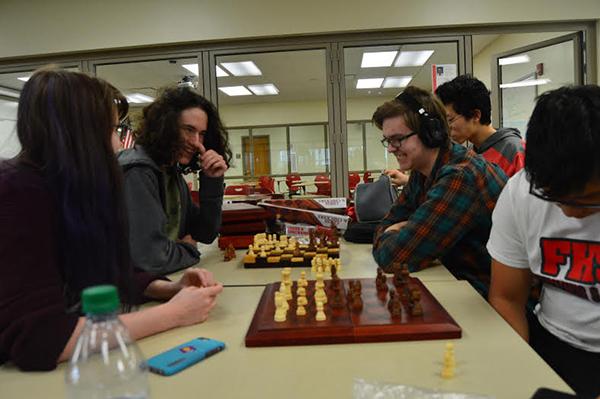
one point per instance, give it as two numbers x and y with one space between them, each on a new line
547 224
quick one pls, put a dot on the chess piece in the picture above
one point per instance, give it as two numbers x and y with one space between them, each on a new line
280 311
301 300
301 291
417 309
381 281
391 300
282 292
357 303
320 316
396 307
250 250
300 311
337 302
302 280
449 362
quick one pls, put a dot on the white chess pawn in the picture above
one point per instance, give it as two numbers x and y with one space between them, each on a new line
301 300
320 316
300 310
250 250
301 291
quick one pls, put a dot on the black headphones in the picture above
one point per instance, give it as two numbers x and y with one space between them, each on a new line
432 132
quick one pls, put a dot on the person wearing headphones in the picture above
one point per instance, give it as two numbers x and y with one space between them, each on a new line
445 209
180 131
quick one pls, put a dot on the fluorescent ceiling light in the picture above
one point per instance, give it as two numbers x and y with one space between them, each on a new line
139 98
24 78
378 59
525 83
373 83
235 91
396 81
220 72
412 58
193 68
268 89
244 68
517 59
9 93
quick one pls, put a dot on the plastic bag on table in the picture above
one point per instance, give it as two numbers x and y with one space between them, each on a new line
377 390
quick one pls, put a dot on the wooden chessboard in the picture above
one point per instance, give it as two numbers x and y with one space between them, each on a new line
373 324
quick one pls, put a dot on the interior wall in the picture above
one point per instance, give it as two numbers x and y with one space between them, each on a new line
284 113
42 28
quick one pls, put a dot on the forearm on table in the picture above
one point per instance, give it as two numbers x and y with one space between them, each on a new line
513 313
140 324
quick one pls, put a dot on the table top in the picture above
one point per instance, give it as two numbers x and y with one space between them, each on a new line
490 359
357 262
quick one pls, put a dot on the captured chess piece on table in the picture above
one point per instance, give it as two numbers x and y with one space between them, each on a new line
448 369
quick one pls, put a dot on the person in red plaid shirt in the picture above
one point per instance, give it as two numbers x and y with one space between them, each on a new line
445 209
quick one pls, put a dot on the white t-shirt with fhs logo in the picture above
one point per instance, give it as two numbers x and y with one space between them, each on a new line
563 252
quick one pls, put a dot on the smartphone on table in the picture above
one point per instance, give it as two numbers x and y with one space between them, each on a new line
184 355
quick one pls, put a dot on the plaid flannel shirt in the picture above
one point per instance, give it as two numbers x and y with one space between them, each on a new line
448 216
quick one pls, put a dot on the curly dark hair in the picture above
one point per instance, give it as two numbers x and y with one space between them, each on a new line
563 140
466 94
159 130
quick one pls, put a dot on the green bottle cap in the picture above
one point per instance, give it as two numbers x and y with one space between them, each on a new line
100 299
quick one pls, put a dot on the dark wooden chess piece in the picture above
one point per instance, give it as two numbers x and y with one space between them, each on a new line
392 294
381 281
396 307
357 303
417 309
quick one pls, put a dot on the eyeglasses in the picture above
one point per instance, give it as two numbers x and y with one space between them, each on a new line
536 192
395 141
453 119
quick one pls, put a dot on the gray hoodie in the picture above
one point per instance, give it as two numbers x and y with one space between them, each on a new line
150 247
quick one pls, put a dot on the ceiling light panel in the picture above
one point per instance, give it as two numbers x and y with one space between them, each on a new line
525 83
373 83
396 81
24 78
412 58
268 89
244 68
139 98
220 72
517 59
378 59
193 68
235 91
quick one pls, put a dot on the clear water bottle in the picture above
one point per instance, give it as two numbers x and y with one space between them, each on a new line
106 363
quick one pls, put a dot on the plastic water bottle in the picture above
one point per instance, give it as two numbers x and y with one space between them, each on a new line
106 363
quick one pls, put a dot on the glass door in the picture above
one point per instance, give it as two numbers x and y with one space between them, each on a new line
522 74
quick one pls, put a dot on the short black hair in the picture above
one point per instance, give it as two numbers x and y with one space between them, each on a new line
563 140
466 94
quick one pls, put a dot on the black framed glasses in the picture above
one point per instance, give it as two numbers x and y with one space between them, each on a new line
396 141
536 192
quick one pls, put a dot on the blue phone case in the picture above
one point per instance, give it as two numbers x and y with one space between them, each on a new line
182 356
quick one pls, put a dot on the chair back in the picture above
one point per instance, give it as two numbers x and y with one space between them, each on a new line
290 180
266 185
353 180
323 184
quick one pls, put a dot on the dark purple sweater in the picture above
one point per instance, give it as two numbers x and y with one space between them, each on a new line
34 323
